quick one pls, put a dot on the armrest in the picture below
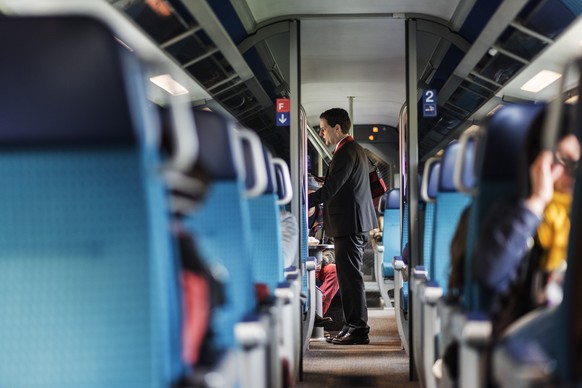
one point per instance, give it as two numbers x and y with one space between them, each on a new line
522 363
420 273
432 293
250 334
475 338
310 263
398 263
476 331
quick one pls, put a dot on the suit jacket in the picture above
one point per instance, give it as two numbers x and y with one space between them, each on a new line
348 206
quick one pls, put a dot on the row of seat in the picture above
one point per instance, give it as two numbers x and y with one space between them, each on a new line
471 174
90 275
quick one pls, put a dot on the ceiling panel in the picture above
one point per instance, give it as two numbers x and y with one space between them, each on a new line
370 66
442 9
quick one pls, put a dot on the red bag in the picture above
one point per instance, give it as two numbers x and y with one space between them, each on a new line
377 185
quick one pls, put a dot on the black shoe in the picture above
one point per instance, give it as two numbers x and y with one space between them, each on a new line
321 321
350 339
338 335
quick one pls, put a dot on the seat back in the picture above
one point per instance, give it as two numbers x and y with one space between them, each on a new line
449 205
267 257
497 155
569 316
429 189
391 232
86 274
221 224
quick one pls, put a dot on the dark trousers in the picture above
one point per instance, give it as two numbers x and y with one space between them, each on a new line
349 252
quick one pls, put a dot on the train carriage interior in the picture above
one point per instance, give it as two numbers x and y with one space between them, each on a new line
158 156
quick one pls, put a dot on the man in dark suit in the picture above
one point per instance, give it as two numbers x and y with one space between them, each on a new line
348 216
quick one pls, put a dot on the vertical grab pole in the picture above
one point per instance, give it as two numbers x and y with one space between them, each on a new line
412 171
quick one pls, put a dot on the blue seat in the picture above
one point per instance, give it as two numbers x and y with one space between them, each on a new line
391 230
432 174
496 180
267 259
449 205
221 224
497 156
87 277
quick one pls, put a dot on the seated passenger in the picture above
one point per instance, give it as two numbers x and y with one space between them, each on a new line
523 241
325 272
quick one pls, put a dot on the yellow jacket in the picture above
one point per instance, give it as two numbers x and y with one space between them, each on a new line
554 230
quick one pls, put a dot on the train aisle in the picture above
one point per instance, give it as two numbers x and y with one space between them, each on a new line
381 363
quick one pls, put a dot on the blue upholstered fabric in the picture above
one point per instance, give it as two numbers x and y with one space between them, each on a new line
428 236
267 259
468 171
404 239
220 157
271 174
266 255
404 297
448 208
222 228
429 218
433 180
222 224
392 199
391 231
81 289
497 158
448 161
391 239
87 277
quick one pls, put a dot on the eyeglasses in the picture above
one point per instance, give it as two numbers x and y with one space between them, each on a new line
570 166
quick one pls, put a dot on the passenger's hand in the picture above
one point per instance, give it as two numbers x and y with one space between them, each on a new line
543 175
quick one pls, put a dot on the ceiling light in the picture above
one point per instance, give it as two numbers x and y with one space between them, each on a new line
374 129
166 82
371 137
572 100
540 81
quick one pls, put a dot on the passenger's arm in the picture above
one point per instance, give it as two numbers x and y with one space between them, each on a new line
502 243
542 176
503 240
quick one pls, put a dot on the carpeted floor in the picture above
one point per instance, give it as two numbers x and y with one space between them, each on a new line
380 364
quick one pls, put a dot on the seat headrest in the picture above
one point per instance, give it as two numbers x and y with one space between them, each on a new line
392 199
447 170
220 153
507 130
430 180
271 177
255 165
465 174
63 83
283 177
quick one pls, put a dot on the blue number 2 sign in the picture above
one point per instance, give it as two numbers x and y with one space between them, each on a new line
429 105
